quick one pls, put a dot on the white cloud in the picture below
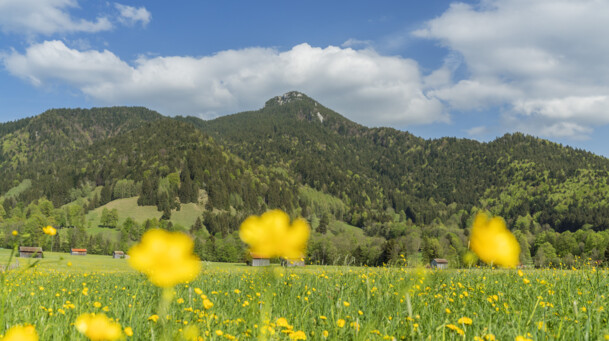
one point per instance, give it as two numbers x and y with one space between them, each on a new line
541 59
130 15
46 17
369 88
477 131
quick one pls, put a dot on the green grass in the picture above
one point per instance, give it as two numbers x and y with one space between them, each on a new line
375 303
15 191
321 203
128 207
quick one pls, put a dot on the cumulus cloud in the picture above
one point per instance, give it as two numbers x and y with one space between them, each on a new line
367 87
46 17
543 61
130 15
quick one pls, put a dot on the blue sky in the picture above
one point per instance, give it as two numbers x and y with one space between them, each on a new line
474 69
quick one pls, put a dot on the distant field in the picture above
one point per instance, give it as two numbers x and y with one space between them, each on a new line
59 261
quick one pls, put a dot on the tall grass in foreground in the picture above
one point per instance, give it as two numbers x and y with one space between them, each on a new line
321 302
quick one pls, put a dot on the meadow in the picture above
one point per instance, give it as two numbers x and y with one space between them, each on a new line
237 302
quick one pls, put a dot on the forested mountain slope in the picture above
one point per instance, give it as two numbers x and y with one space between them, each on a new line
370 194
379 168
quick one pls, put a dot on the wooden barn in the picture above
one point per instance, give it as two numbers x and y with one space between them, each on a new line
30 252
293 262
78 252
118 254
439 263
258 260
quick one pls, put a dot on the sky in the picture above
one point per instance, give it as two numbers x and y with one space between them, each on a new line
473 69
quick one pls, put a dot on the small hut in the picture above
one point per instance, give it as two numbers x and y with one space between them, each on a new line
118 254
258 260
439 263
78 252
30 252
287 262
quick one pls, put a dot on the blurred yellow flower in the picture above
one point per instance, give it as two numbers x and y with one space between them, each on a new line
340 323
165 257
21 333
272 235
15 232
128 331
153 318
493 242
98 327
50 230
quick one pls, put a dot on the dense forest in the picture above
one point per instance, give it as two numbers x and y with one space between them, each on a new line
372 195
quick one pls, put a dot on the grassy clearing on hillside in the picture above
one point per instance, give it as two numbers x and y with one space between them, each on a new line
15 191
344 303
128 207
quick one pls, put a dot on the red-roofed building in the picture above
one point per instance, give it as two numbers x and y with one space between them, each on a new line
78 252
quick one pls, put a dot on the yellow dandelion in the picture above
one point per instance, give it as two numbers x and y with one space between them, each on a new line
340 323
50 230
465 320
165 257
153 318
272 235
299 335
282 322
493 242
346 304
128 331
15 233
21 333
98 327
455 328
325 333
207 304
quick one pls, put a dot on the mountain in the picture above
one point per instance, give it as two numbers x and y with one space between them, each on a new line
370 193
380 168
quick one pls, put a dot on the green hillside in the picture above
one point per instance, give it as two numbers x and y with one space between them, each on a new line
370 194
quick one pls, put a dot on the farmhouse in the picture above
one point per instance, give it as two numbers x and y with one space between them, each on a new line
30 252
258 260
439 263
118 254
78 252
